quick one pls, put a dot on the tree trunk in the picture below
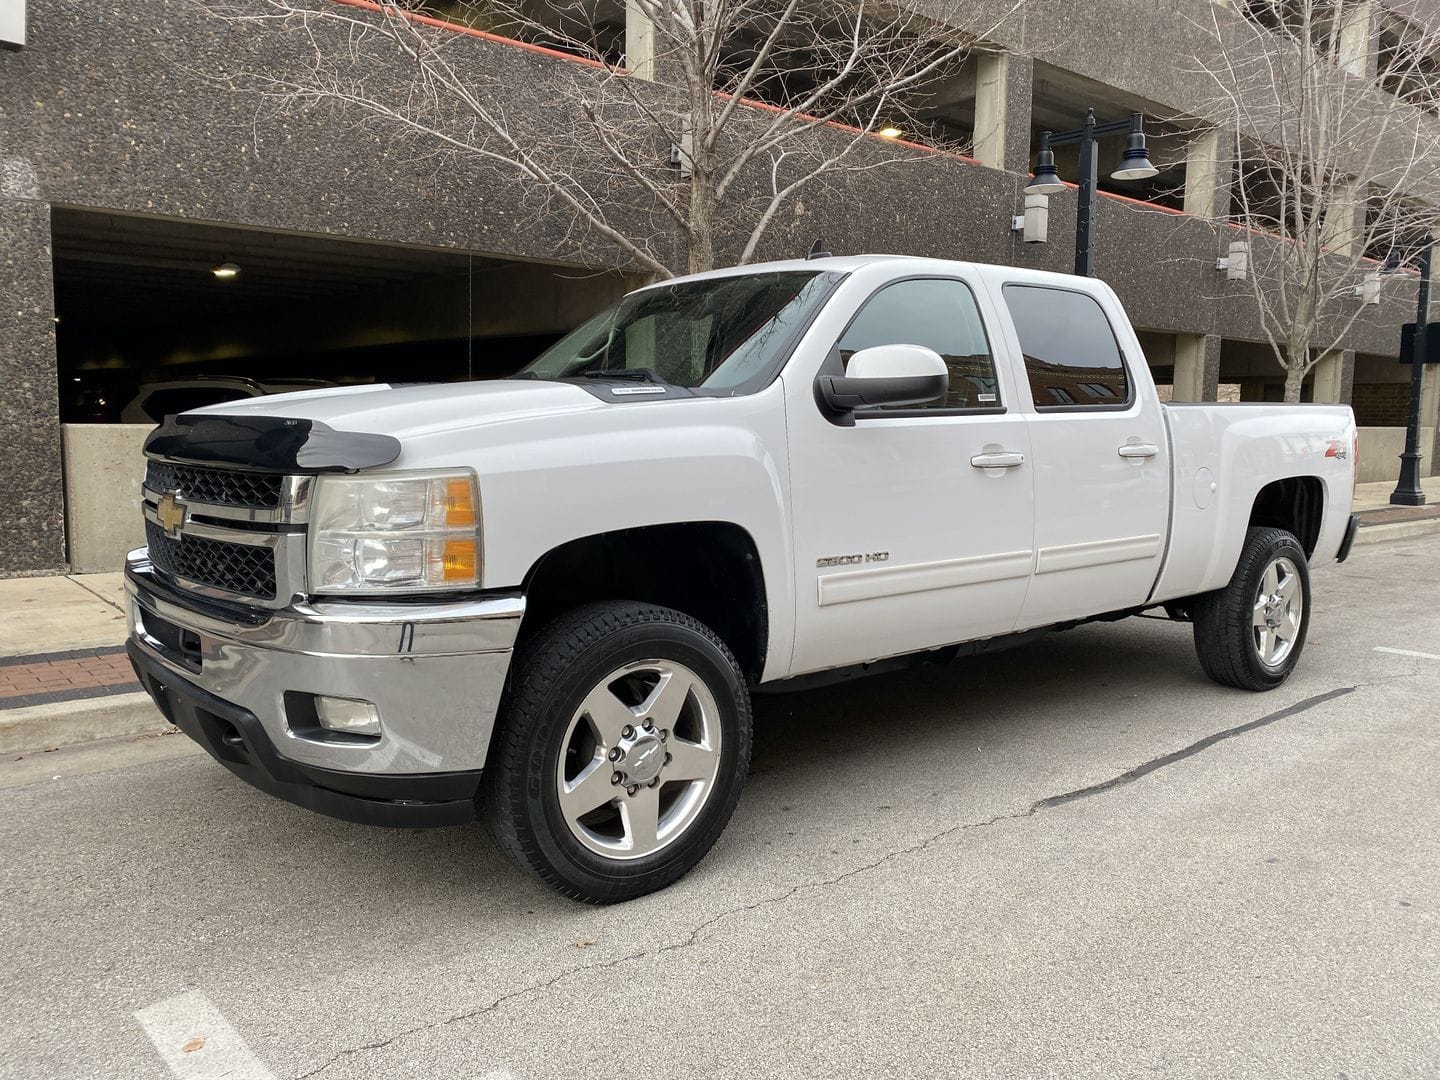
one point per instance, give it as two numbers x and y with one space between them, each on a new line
700 238
1294 377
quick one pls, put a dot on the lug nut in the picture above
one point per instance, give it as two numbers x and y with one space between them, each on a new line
627 731
615 778
616 754
653 782
664 734
667 759
649 725
632 789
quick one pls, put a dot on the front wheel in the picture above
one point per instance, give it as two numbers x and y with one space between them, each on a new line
1250 633
622 751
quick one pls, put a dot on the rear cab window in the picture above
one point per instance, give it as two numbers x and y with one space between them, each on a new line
1072 356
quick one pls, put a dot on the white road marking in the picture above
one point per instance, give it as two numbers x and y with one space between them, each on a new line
181 1021
1408 652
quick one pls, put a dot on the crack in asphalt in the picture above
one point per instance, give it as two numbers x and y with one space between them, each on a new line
693 936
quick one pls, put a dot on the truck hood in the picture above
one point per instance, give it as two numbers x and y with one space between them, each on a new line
408 411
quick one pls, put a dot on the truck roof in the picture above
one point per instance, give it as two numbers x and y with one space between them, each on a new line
849 263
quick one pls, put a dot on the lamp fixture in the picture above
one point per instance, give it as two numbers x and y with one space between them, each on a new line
1034 224
1047 180
1237 263
1368 291
889 133
226 271
1135 164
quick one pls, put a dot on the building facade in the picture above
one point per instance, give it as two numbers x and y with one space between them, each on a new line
132 175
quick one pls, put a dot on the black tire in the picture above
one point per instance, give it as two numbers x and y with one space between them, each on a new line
1225 634
553 674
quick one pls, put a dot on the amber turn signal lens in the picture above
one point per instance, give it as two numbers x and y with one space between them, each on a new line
459 504
459 560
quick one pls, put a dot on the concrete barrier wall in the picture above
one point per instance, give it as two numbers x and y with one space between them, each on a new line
103 469
1380 449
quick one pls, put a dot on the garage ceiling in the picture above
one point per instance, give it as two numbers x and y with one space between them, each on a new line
115 271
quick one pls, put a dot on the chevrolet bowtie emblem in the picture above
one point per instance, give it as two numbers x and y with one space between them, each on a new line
172 514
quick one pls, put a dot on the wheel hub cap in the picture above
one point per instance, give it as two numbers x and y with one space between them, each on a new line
639 759
643 760
1279 612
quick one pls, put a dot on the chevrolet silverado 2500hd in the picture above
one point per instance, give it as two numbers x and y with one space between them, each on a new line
546 599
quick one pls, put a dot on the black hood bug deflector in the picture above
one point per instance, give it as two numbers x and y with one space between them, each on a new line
269 444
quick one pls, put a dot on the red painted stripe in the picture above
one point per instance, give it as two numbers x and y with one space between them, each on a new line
470 31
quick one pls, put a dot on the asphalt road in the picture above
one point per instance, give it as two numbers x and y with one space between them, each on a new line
901 893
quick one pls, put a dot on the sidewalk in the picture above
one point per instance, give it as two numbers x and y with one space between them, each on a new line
1381 521
65 679
64 676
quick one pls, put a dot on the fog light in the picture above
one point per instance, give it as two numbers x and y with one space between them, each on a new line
347 715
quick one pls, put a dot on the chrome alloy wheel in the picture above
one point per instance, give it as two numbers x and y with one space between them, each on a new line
1279 609
639 759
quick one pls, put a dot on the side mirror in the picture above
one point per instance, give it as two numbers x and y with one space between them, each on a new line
885 375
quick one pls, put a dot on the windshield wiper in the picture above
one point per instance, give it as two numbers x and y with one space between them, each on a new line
635 374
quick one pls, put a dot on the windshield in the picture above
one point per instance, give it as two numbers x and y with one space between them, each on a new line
724 334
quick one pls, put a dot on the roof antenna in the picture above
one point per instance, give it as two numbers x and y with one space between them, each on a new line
817 250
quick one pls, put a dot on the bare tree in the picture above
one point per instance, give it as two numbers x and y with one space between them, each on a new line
1331 107
737 107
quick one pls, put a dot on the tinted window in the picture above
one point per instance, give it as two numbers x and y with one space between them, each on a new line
1071 356
941 315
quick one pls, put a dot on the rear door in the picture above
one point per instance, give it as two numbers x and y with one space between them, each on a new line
1098 447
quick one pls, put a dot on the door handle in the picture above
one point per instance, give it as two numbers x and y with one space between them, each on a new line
1005 459
1138 450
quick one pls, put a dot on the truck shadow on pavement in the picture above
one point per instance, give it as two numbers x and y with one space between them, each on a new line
944 739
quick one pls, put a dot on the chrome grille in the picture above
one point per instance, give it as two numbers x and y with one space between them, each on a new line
243 569
217 487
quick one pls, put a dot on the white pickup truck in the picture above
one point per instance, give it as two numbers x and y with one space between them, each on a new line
545 600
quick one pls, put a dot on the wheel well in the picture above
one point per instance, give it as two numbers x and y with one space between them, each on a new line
1296 504
709 570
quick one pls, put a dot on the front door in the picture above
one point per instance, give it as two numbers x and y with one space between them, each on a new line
913 527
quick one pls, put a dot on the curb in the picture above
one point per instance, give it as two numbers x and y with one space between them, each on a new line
39 727
1399 530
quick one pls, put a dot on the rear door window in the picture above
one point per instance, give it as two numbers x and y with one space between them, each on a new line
1072 358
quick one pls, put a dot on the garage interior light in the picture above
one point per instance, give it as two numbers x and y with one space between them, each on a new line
226 271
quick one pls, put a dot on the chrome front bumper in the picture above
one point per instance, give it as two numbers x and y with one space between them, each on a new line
435 672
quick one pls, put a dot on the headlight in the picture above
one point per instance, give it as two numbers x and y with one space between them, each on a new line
400 532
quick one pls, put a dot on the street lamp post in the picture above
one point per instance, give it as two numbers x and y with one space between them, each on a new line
1408 491
1135 166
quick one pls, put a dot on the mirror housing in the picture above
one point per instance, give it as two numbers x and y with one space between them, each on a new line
884 375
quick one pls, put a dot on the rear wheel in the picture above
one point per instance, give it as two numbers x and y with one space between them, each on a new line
1250 634
621 753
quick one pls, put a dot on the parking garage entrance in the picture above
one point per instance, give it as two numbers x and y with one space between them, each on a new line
159 315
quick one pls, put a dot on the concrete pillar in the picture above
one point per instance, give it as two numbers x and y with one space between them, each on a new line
639 42
1430 414
1344 221
1003 84
32 516
1332 377
1197 367
1207 175
1357 53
